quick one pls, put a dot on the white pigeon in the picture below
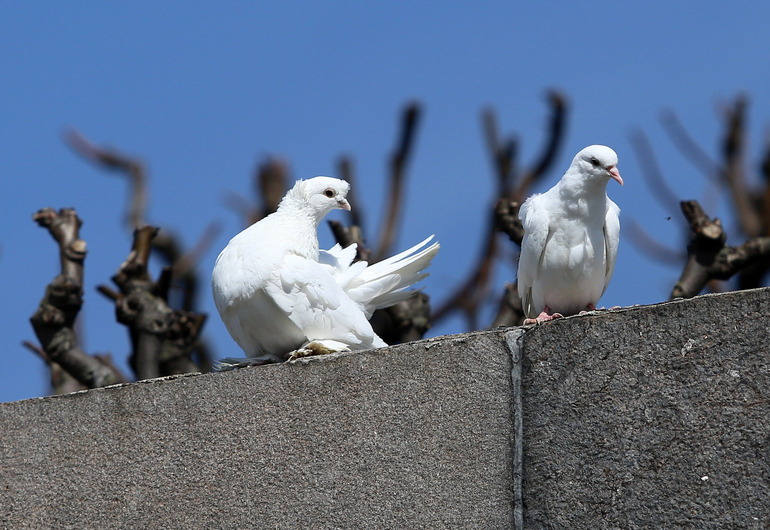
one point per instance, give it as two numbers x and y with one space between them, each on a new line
277 292
571 235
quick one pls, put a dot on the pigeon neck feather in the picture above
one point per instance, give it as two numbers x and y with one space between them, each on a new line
295 206
576 185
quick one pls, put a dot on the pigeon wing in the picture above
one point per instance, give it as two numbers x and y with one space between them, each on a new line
308 293
535 220
611 239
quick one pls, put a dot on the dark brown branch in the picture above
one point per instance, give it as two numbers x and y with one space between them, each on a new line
650 246
687 146
272 176
653 176
138 308
185 263
345 169
404 322
113 160
509 312
554 140
37 350
108 292
395 196
765 207
346 236
709 257
270 179
54 319
183 273
507 219
162 338
471 293
61 381
502 154
734 148
182 335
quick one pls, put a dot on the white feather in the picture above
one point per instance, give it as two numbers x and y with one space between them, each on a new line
276 291
571 235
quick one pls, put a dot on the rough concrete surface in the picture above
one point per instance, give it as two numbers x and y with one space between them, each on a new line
647 417
416 436
653 417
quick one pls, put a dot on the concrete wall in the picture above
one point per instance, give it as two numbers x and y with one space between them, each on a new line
654 416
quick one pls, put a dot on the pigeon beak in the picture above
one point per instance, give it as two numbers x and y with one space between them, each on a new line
344 204
615 174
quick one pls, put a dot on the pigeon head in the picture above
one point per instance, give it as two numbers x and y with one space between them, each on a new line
317 196
597 162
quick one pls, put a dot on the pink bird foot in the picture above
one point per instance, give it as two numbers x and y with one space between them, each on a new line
544 316
589 307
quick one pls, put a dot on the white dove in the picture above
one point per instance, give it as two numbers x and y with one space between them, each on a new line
571 235
277 292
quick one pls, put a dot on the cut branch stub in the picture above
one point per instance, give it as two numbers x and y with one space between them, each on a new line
507 219
708 231
162 338
271 183
406 321
708 255
64 227
54 319
509 312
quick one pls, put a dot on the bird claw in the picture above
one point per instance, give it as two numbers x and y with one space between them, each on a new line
542 317
314 348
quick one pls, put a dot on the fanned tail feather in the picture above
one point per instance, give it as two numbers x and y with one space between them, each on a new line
384 283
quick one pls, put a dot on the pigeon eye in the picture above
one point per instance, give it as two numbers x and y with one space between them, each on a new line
594 161
329 192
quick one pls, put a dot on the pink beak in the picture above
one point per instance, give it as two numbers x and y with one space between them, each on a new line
615 174
345 205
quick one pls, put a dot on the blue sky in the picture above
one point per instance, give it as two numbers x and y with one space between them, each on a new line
202 91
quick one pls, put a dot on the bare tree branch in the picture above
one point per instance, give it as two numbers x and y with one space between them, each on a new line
709 257
507 219
61 381
509 312
54 319
734 149
138 308
763 199
113 160
272 177
651 247
406 321
395 196
346 173
653 176
161 338
687 146
503 154
347 236
472 293
554 141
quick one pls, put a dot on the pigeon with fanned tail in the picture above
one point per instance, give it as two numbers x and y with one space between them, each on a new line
282 297
571 235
